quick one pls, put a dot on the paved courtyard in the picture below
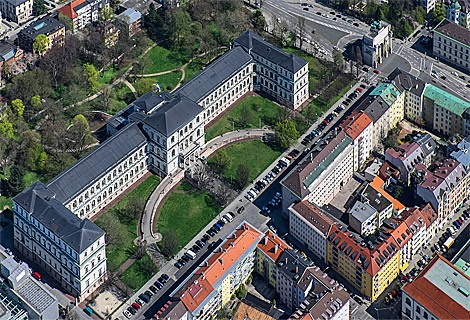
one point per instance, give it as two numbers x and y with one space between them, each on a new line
106 302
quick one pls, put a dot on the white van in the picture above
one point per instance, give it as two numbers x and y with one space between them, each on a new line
191 254
285 160
229 217
252 194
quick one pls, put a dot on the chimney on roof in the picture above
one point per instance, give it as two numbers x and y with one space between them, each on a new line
203 275
275 248
296 269
221 261
286 260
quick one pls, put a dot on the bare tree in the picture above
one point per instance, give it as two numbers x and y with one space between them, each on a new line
107 98
202 176
134 207
224 193
301 30
169 243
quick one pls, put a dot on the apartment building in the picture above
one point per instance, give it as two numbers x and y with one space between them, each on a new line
269 249
461 153
378 184
359 127
451 43
402 236
410 154
9 53
445 188
377 43
49 26
130 21
321 175
18 11
428 5
284 76
363 218
20 289
440 291
82 12
458 11
368 266
70 249
381 204
310 226
211 285
110 34
413 88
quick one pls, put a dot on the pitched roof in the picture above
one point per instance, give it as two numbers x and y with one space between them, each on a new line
388 170
256 44
374 107
355 123
96 163
445 175
272 245
215 74
454 31
46 25
69 9
405 81
131 14
314 216
39 201
387 91
446 100
442 289
246 312
173 115
404 151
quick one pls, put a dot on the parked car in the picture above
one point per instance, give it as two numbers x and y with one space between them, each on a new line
158 285
136 305
200 243
132 310
359 89
154 289
195 248
205 238
161 280
178 265
144 298
240 210
127 314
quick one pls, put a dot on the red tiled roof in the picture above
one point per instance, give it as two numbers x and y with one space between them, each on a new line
428 214
433 298
400 234
268 245
355 123
198 290
435 178
68 9
403 151
388 170
314 216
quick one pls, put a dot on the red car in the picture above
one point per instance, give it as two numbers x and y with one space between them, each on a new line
376 71
37 276
136 306
326 122
359 89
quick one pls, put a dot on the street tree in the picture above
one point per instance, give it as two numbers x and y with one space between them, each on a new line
202 176
221 161
223 193
243 176
301 30
286 133
338 57
41 44
310 113
169 243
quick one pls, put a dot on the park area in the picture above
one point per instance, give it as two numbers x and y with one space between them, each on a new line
121 232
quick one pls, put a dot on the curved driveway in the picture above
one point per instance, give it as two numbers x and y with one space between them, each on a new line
161 191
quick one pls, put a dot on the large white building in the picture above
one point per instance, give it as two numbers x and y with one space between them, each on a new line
83 12
72 250
377 43
18 11
309 225
458 11
451 43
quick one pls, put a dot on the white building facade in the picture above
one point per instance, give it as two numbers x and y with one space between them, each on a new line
18 11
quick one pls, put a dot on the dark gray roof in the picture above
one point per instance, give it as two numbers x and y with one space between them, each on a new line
374 107
375 199
406 81
215 74
255 43
294 260
97 162
39 200
427 144
150 100
46 25
16 2
173 115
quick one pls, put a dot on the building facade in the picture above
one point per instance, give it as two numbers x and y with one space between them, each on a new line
72 250
309 225
130 21
18 11
451 44
83 12
49 26
377 44
458 11
268 251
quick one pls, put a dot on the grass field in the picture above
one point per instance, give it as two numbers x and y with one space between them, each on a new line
138 273
169 80
124 248
256 155
193 68
187 214
162 59
260 108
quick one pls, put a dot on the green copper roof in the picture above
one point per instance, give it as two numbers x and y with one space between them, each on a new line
387 91
328 161
446 100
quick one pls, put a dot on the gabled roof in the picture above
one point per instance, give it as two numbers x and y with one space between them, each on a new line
355 123
256 44
272 245
69 9
314 216
374 106
405 81
453 31
215 74
39 201
132 15
96 163
173 115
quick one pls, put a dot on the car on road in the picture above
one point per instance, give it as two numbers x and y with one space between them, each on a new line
304 4
325 15
356 24
363 86
278 20
455 73
248 197
462 77
376 71
136 305
305 9
359 89
443 77
332 12
319 13
154 289
240 210
178 265
200 243
127 314
338 16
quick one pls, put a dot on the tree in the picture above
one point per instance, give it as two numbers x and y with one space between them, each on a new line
107 98
39 7
41 44
338 57
67 22
201 175
286 133
243 176
79 134
245 115
143 86
259 22
179 22
8 151
221 161
283 114
169 243
113 228
420 121
310 113
147 266
407 29
223 193
15 183
105 14
91 76
379 14
15 111
419 14
36 103
134 207
301 30
6 128
438 13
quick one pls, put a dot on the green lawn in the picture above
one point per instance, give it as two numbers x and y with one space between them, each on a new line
185 186
193 68
260 108
187 214
5 201
124 248
137 274
169 80
163 60
256 155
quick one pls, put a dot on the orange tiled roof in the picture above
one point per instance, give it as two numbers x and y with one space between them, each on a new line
377 184
268 245
68 9
355 123
401 234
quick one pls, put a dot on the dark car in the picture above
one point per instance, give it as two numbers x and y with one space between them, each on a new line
144 297
186 258
356 24
443 77
165 276
154 289
240 210
132 310
295 152
221 222
363 86
178 265
205 237
319 13
195 248
210 232
200 243
305 9
161 280
158 285
214 230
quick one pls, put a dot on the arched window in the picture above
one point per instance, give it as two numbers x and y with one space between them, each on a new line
87 208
